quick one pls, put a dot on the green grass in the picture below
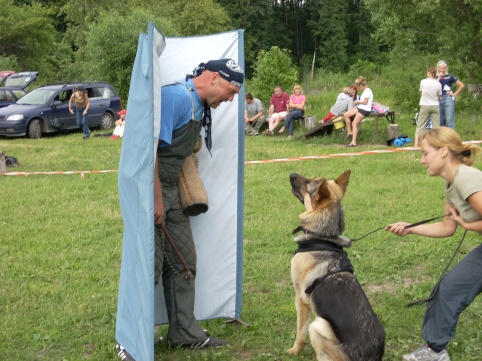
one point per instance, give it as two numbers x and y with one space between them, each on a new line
61 241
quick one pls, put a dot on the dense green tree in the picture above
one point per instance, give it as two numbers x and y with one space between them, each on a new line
449 28
328 27
28 36
273 67
111 46
258 20
202 17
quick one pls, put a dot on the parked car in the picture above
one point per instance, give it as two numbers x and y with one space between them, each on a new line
20 80
14 87
46 110
4 74
10 95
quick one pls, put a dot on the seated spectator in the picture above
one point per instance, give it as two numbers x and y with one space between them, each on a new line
278 109
254 117
119 125
344 102
354 92
364 108
297 110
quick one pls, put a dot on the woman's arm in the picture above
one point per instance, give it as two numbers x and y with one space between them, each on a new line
475 201
87 104
460 86
70 104
443 229
300 106
364 101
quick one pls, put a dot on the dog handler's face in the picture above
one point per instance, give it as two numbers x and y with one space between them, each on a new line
220 91
432 158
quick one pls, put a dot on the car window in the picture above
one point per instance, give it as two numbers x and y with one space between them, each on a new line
37 96
95 93
5 96
64 95
19 93
17 81
109 92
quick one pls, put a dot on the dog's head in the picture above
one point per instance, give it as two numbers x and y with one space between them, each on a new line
322 199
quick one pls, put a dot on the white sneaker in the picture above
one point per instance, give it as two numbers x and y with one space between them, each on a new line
425 353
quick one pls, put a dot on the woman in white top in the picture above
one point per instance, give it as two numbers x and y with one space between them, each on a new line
431 91
363 108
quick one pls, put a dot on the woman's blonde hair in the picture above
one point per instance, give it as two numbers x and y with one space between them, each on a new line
448 137
297 86
360 81
347 90
443 62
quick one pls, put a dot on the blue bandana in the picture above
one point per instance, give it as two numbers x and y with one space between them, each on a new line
229 70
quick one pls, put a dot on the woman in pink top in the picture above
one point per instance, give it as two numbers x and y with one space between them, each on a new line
297 110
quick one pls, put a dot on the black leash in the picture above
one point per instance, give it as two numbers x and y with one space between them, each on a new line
406 227
435 289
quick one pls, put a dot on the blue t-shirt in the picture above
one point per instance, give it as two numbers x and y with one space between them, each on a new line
176 108
447 80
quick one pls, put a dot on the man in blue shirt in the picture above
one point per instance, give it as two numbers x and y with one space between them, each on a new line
185 109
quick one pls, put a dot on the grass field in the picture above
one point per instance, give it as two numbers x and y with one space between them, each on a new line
61 241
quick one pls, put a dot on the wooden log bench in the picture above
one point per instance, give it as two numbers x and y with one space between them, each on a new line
320 129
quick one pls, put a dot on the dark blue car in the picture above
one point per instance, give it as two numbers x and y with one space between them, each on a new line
46 110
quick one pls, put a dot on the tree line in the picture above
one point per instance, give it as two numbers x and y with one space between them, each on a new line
80 40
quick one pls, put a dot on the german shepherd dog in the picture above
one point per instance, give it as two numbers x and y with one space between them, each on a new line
345 327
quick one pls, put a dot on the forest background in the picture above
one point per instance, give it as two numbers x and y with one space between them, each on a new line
328 42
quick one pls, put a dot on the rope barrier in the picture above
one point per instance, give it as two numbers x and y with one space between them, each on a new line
280 160
82 173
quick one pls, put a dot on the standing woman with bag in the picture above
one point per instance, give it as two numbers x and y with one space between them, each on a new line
363 108
444 154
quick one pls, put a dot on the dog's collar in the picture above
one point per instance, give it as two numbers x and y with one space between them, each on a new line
315 242
313 234
319 244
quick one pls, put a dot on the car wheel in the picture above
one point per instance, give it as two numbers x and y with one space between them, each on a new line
107 121
34 129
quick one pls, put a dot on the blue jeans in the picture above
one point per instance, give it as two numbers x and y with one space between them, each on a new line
447 111
81 120
290 119
456 292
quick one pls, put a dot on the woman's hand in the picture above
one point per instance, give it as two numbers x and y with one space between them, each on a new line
455 216
398 228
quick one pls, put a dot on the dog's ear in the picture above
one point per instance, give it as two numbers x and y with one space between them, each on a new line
322 190
342 180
